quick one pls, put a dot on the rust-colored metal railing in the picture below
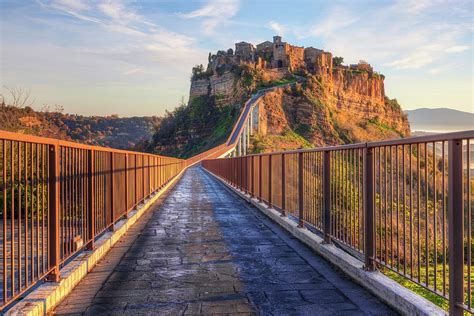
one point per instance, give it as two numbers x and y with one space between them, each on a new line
57 197
404 205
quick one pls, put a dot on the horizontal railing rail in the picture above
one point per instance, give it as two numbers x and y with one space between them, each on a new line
403 205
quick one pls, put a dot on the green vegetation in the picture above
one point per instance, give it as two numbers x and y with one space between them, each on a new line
194 128
382 126
337 61
293 136
418 289
274 83
109 131
393 104
290 139
198 72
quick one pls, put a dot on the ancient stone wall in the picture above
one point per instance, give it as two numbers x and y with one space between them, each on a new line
245 51
295 57
199 87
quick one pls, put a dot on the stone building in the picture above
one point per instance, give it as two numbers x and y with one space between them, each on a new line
286 55
318 61
363 66
279 55
245 51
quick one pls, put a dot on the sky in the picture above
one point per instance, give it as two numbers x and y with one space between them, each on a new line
134 58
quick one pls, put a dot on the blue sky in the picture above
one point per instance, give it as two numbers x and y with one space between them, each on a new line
135 57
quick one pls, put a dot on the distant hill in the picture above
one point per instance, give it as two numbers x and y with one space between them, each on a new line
109 131
440 120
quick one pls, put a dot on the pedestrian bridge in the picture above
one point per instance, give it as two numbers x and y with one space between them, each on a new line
297 232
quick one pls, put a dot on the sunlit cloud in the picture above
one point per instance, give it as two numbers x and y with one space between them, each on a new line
412 36
214 13
277 27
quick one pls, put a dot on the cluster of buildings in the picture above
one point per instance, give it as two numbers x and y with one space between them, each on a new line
279 54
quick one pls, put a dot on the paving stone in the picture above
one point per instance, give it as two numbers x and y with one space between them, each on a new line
202 250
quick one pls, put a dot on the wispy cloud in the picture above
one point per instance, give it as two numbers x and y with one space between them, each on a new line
115 16
277 27
214 13
337 19
405 35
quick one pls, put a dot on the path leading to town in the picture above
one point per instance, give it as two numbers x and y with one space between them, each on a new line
203 250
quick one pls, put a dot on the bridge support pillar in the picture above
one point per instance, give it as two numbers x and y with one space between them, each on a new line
251 121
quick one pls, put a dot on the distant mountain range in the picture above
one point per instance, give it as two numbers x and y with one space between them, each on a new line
440 120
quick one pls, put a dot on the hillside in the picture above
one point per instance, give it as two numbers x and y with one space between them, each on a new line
111 131
440 120
329 102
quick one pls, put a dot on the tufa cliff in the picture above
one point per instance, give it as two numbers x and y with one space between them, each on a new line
328 103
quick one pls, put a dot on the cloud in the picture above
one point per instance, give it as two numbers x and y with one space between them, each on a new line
124 44
214 13
115 16
457 49
409 34
71 4
338 18
277 27
118 12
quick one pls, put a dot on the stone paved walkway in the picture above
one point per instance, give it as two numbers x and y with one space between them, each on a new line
205 251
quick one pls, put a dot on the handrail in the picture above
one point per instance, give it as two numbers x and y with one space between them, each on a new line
405 205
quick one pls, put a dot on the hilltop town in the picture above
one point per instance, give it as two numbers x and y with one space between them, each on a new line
327 102
281 55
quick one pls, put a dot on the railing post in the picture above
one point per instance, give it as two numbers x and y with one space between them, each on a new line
54 225
126 185
270 180
112 197
368 187
300 190
90 200
327 196
252 184
149 176
247 174
136 181
237 162
143 178
283 186
455 229
260 178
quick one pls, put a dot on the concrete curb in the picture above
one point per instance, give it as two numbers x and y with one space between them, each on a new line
47 296
395 295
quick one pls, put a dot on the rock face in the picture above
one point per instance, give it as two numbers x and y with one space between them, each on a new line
225 88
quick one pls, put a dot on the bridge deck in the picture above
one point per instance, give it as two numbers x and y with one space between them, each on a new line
203 250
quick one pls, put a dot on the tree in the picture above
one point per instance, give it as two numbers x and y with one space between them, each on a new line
197 71
58 108
337 61
19 97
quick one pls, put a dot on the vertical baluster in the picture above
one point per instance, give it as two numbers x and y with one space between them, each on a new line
53 227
